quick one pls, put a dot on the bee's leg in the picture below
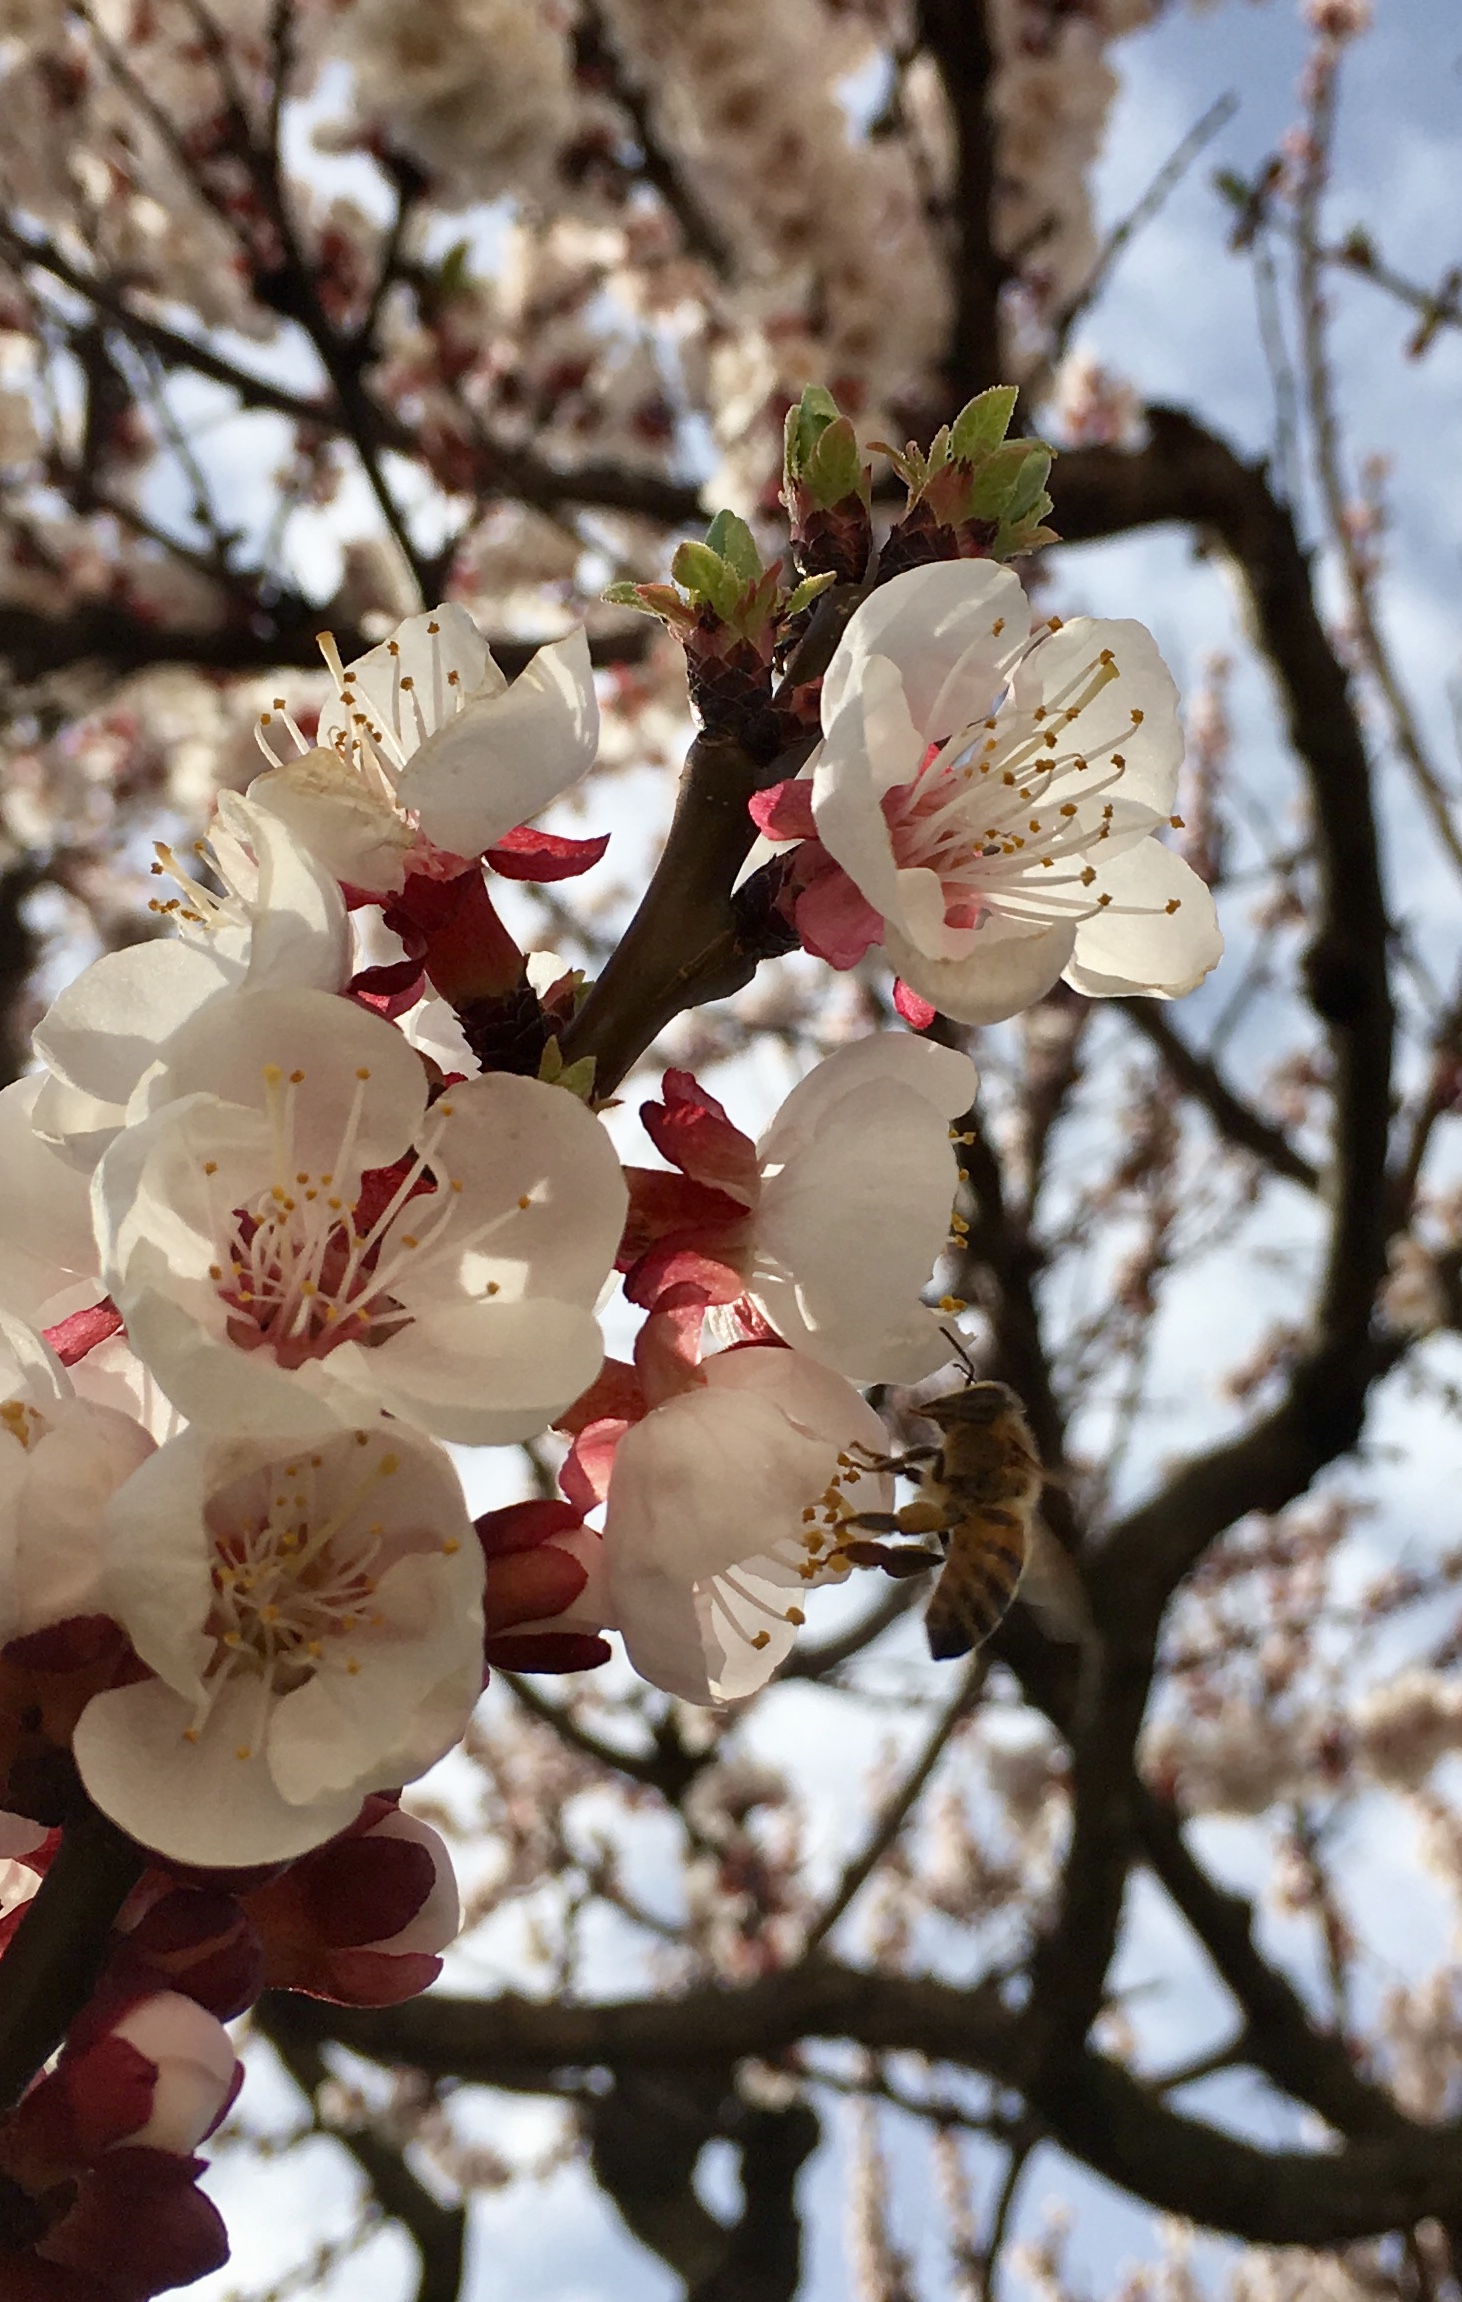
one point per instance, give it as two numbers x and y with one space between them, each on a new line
866 1460
911 1560
876 1522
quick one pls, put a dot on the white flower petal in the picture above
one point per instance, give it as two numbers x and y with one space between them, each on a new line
508 1141
503 757
73 1472
301 932
49 1261
938 1076
703 1535
938 624
1008 969
315 1621
105 1029
482 1374
1057 673
196 1802
351 828
1137 944
426 650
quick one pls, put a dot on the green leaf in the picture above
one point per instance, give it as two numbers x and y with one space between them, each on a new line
835 469
1031 481
811 587
805 426
734 542
578 1077
660 599
983 422
994 484
698 569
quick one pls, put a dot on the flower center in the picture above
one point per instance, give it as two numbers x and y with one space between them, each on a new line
816 1551
1009 813
294 1570
374 752
302 1267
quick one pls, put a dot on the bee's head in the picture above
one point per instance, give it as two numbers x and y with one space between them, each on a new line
975 1407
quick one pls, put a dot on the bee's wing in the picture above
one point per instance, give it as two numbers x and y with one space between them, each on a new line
1053 1589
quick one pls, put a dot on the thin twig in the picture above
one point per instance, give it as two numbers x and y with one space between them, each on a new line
1324 427
1153 200
896 1813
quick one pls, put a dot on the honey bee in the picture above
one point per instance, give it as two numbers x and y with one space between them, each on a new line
981 1484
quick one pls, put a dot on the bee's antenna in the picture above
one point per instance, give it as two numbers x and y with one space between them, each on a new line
961 1352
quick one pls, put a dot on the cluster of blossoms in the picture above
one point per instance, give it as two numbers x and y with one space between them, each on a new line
304 1191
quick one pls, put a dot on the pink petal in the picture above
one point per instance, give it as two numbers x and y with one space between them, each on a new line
682 1261
590 1462
389 990
665 1206
548 1651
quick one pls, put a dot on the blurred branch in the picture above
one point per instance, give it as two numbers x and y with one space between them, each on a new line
438 2232
1325 433
1187 474
255 637
956 34
1237 1122
901 1805
819 1658
599 57
670 1768
1151 204
19 950
1089 2105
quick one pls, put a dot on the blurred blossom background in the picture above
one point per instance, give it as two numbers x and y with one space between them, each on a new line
316 311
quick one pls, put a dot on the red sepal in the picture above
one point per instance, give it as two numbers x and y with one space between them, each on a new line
784 810
543 855
548 1651
523 1526
389 990
916 1012
531 1587
72 1338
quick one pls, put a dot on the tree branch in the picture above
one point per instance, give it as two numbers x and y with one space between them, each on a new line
1090 2106
1237 1122
957 36
438 2232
